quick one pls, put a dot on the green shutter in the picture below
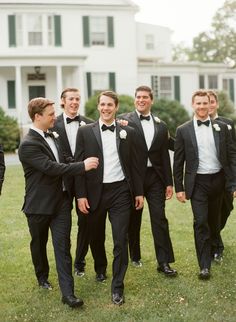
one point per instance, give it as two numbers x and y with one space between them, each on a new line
177 88
201 82
11 94
89 84
110 31
57 30
231 89
112 81
86 31
12 30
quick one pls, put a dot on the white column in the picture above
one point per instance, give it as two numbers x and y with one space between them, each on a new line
59 87
21 115
81 86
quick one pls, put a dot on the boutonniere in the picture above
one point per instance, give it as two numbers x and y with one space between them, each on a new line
82 123
55 134
157 120
229 127
123 134
216 127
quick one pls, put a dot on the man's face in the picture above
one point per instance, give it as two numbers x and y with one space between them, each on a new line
107 109
213 106
143 102
47 119
71 103
201 107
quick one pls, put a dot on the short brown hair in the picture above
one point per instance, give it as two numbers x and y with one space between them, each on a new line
200 92
144 89
66 90
213 93
110 94
37 105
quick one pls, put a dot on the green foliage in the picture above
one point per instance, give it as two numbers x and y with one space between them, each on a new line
226 106
171 112
217 43
9 132
126 104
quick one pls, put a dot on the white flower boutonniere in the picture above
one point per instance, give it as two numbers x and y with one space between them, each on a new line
216 127
229 127
123 134
82 123
55 134
157 119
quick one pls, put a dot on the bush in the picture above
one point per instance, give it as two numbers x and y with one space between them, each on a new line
9 132
126 104
171 112
226 106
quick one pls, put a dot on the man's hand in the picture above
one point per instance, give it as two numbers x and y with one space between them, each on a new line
123 122
91 163
181 196
83 205
169 192
139 202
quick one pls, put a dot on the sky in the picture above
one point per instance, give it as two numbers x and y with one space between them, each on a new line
186 18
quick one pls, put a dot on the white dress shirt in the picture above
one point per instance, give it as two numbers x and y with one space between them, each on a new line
71 132
148 130
207 154
112 170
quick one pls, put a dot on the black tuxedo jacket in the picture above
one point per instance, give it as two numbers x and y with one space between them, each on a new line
43 175
64 145
158 153
89 143
186 155
2 167
230 124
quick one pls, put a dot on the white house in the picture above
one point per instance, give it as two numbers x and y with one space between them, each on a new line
47 45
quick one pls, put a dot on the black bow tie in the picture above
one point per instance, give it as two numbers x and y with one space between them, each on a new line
48 134
201 122
111 127
69 120
142 117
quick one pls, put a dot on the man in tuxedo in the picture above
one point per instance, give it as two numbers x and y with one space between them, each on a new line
67 125
227 202
2 167
47 203
204 161
152 142
111 188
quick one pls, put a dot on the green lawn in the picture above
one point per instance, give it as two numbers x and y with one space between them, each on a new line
149 295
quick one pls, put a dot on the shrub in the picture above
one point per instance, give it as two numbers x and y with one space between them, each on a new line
9 132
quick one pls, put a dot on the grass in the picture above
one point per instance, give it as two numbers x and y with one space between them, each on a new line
150 296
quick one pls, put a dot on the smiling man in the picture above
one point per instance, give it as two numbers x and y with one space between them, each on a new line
113 188
204 162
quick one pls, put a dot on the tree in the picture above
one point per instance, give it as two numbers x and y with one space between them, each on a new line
226 106
9 132
171 112
217 43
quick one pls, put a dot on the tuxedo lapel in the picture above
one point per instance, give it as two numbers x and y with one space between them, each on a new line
96 131
63 135
216 138
156 129
135 119
193 136
37 136
118 129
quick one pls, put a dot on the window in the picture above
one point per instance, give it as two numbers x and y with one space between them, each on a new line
98 31
98 82
167 87
212 81
228 87
149 42
11 93
34 30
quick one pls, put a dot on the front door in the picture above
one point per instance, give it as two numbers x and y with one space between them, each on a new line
36 91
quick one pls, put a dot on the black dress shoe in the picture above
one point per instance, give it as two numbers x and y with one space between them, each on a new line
79 272
72 301
101 277
204 274
167 270
217 258
117 299
45 285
